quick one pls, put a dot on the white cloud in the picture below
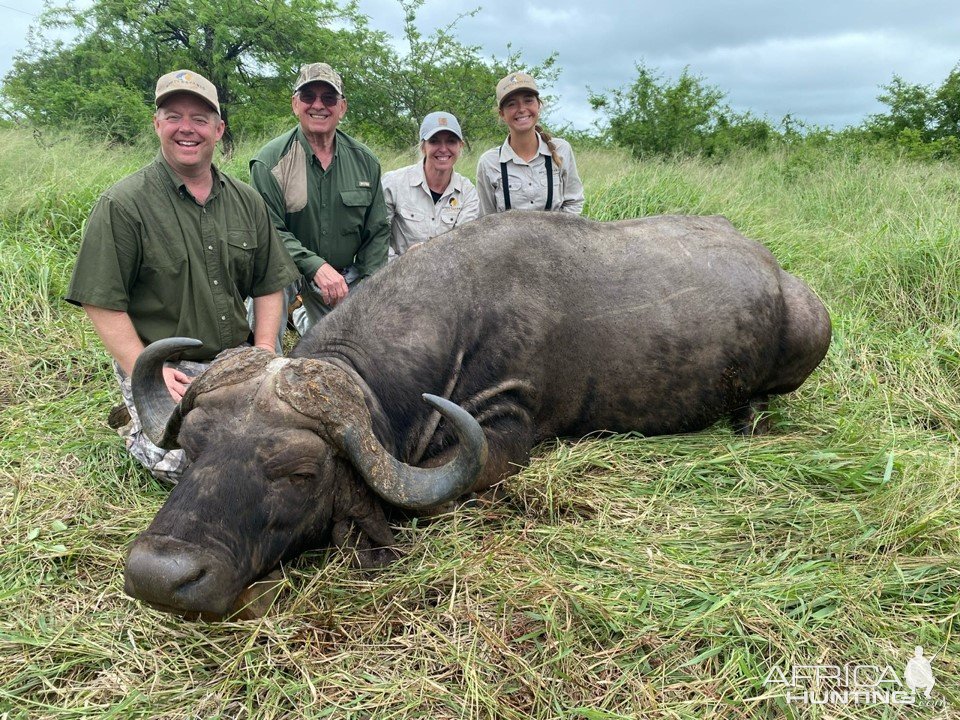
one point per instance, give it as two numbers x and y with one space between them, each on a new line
548 17
821 61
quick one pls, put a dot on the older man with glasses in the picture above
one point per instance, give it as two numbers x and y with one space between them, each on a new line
322 188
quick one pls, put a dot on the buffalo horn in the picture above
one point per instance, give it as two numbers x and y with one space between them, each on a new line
160 416
414 488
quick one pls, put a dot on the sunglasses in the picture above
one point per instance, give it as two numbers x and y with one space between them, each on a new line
307 97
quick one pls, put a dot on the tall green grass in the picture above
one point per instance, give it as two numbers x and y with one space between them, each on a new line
620 577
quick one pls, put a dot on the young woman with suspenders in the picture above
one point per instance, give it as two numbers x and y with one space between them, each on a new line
531 170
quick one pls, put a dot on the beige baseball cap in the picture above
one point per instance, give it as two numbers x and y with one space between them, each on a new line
513 82
189 82
319 72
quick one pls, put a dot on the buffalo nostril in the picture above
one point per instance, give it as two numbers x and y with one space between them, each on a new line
159 573
181 580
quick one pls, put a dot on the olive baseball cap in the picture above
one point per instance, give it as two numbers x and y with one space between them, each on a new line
437 121
189 82
318 72
513 82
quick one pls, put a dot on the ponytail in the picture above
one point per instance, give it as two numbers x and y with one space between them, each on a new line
548 139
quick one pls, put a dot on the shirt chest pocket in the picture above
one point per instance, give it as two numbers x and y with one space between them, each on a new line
515 183
355 204
241 248
448 217
164 255
413 217
555 179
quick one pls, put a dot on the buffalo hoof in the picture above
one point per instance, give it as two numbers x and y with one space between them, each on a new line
752 418
119 417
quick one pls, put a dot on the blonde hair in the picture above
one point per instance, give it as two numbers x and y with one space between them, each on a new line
548 139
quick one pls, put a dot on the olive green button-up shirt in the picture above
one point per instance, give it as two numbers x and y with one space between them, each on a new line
334 215
176 267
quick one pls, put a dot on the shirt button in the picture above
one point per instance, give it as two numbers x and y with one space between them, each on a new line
216 282
223 317
244 244
209 247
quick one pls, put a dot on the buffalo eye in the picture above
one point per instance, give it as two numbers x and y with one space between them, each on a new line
297 472
303 475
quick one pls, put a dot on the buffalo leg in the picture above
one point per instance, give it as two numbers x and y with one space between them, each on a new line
752 418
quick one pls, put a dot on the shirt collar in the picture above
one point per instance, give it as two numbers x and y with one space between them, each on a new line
176 183
508 155
302 139
418 178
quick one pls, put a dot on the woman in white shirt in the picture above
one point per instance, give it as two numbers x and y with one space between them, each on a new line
531 170
428 198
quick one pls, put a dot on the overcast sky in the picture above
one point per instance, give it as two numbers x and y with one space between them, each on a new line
821 61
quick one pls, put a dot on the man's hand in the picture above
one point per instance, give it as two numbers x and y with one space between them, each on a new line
177 382
333 288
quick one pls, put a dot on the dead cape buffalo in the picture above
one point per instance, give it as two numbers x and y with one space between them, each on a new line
521 326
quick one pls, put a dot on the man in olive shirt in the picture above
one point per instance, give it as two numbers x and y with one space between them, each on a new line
322 188
174 250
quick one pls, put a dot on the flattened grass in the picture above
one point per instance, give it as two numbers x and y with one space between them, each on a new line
616 577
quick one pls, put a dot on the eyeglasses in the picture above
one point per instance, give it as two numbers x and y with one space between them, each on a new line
307 97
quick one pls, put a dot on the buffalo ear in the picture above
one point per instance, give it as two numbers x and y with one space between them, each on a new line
351 534
323 391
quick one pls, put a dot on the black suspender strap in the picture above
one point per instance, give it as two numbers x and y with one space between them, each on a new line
506 186
549 204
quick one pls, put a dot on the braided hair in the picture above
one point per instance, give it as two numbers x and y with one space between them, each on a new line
548 139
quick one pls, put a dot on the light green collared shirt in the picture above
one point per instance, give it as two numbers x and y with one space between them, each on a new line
176 267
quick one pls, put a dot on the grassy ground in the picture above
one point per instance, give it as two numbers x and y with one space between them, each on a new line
618 578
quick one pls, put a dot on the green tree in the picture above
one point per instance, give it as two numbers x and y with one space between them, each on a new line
122 46
921 122
251 50
911 107
434 72
657 117
946 106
